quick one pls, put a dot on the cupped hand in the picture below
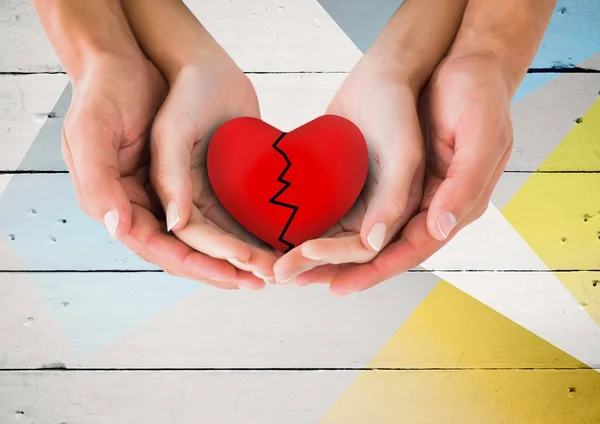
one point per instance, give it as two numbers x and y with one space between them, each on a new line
203 96
105 144
382 104
465 111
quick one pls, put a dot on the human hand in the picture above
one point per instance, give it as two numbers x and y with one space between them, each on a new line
105 145
466 115
384 106
204 95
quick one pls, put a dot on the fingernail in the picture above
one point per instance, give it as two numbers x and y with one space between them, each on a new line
268 280
173 217
308 254
238 264
244 285
287 281
339 293
446 223
376 236
111 221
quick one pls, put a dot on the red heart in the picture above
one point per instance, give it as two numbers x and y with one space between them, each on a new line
286 188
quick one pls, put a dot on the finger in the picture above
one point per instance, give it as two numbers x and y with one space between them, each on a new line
471 170
94 164
317 252
248 280
171 146
323 274
400 160
337 250
167 252
414 246
290 265
206 238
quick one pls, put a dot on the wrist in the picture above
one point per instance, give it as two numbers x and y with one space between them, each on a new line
507 32
397 66
87 33
512 65
171 47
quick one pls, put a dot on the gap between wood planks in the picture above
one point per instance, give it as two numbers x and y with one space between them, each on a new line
283 369
53 172
416 270
551 70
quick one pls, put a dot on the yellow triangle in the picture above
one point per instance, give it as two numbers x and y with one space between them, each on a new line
559 214
580 149
538 383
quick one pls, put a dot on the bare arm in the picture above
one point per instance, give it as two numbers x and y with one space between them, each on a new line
170 34
83 31
417 37
508 31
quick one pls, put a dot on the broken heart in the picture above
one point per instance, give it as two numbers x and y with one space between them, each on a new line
286 188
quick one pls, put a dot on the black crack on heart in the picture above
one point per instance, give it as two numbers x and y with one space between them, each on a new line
286 185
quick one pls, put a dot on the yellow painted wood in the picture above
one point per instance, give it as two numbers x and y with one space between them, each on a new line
580 149
451 329
559 216
470 397
456 330
585 287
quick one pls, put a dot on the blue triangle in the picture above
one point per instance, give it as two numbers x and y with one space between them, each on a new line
96 309
572 37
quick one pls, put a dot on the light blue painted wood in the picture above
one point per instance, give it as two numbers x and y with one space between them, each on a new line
45 151
96 309
573 34
279 327
33 211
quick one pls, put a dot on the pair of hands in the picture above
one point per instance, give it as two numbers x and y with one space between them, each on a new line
435 157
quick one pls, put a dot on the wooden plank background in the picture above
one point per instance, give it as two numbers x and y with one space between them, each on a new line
89 333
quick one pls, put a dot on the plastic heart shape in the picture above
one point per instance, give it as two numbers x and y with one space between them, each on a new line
286 188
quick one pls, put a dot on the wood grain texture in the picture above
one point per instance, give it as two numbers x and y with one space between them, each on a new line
133 321
31 141
296 36
33 207
261 36
467 397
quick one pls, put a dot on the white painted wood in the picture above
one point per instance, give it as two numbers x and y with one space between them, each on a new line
127 320
31 141
25 102
264 35
155 321
287 101
287 35
543 118
169 397
540 303
467 397
32 207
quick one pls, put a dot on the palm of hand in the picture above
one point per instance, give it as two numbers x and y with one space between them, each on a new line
466 113
106 136
385 111
201 99
376 106
466 119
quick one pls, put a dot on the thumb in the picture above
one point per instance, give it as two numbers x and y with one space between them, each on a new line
94 165
475 160
170 171
400 157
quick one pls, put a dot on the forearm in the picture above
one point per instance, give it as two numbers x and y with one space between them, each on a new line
417 37
82 31
508 31
169 34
